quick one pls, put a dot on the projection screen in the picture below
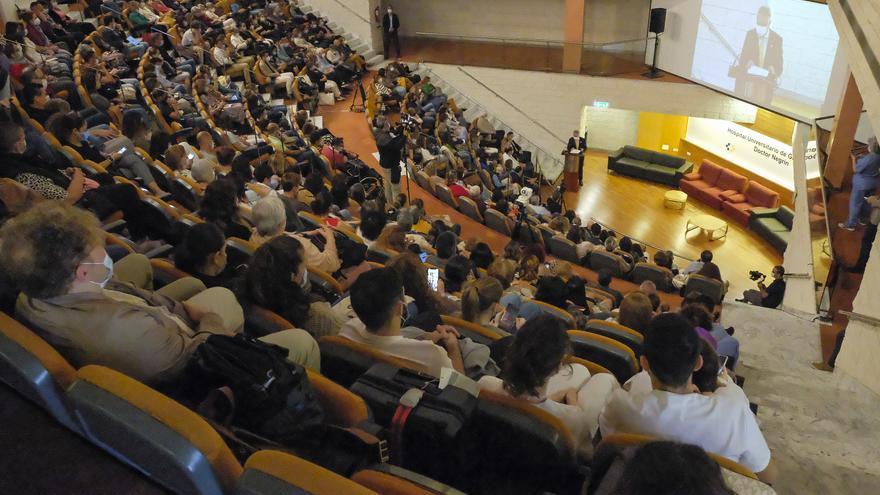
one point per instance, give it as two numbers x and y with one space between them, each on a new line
778 54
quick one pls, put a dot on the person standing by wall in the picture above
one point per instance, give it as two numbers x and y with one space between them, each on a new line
866 178
869 235
390 30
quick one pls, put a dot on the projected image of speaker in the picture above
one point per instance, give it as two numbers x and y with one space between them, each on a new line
657 26
658 21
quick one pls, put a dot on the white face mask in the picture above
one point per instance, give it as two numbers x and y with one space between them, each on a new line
108 264
762 30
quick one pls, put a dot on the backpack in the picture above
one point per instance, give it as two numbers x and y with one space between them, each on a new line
271 396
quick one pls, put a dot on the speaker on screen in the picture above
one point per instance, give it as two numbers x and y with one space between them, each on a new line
658 20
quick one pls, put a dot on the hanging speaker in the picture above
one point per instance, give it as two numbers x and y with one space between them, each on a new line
658 20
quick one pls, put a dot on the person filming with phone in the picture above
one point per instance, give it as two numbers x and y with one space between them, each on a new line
768 296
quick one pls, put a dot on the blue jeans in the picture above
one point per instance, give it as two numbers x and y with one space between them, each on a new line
862 186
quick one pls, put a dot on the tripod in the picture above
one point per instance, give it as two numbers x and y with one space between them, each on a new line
355 107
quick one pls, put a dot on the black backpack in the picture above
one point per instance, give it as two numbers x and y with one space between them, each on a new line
271 396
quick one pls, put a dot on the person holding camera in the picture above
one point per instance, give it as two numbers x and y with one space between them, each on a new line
390 143
768 296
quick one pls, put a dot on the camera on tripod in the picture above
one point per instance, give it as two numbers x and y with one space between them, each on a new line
756 276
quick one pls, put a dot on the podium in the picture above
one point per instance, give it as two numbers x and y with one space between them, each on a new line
570 170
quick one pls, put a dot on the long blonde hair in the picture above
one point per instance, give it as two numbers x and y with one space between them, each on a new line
478 296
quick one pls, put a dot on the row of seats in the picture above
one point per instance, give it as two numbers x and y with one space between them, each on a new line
171 444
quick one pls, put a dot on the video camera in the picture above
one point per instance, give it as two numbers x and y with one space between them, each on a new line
756 276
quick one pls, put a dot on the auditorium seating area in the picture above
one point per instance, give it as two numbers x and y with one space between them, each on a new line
166 139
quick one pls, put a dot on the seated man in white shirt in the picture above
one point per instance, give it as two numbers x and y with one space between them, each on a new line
377 300
673 409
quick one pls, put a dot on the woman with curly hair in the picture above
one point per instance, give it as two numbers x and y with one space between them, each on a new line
535 372
220 207
277 279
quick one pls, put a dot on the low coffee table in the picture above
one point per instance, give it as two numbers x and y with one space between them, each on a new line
708 224
675 200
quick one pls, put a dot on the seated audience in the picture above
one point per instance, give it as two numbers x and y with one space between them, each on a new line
604 283
480 303
98 312
720 422
657 468
535 372
377 300
636 312
319 246
277 279
202 254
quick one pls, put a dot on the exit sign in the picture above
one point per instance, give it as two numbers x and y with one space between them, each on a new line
601 104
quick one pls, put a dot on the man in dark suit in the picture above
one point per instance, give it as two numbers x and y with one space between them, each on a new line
762 49
577 144
390 29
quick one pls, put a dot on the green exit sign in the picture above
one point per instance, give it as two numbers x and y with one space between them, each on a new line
601 104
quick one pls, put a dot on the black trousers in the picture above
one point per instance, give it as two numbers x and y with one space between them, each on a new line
838 343
867 241
581 170
389 38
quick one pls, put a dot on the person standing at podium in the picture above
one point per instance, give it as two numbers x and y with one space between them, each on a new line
578 145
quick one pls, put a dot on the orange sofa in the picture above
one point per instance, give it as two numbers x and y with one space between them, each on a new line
710 181
738 206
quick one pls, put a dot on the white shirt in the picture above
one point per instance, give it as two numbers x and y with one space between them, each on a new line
721 422
423 352
221 56
581 418
187 38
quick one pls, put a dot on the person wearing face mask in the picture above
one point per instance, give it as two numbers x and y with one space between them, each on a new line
71 130
96 312
390 31
69 185
277 279
760 61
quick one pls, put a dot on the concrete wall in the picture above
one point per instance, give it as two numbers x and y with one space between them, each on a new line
610 128
604 20
540 20
616 20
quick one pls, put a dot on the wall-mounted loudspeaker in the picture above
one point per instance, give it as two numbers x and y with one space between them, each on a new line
658 20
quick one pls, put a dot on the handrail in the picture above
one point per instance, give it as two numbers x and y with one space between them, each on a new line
478 105
860 317
346 7
428 34
505 100
655 248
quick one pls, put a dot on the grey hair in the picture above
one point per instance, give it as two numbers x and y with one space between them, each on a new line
873 147
405 220
268 215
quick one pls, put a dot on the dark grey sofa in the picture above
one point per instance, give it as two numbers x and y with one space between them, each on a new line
773 225
649 165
